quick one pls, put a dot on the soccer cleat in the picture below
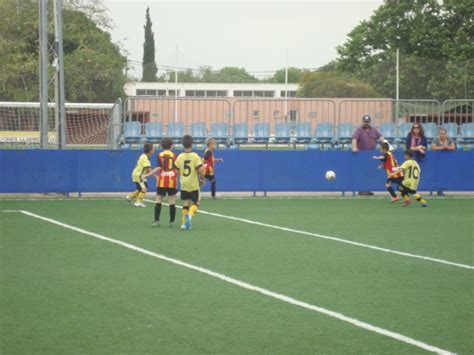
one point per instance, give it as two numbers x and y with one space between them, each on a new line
406 203
171 224
139 204
424 205
188 221
155 224
394 199
183 227
129 199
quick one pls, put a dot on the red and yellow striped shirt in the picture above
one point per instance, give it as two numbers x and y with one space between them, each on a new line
389 164
167 177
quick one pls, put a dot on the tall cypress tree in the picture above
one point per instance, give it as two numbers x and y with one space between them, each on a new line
149 65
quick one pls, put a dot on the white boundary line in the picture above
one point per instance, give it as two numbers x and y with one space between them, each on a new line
278 296
335 239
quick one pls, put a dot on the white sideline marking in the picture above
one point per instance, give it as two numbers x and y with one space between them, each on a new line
340 240
242 284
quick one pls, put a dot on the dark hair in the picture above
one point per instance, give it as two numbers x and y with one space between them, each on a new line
422 131
187 141
166 143
385 146
409 153
147 148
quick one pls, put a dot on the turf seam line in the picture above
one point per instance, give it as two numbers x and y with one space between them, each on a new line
250 287
336 239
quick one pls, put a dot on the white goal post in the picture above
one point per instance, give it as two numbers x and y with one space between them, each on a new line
87 125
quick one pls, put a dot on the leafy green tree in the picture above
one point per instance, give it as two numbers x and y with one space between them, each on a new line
435 40
331 84
149 64
93 65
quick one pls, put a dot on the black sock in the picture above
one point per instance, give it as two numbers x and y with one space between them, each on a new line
391 191
157 211
213 188
172 213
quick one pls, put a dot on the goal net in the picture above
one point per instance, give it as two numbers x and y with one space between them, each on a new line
87 125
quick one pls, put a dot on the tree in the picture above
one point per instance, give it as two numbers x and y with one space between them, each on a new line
331 84
294 75
435 40
93 64
149 64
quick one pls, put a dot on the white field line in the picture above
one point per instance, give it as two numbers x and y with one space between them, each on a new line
242 284
335 239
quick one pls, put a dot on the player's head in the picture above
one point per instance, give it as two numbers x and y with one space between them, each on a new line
166 143
187 141
211 143
366 120
384 147
408 154
148 148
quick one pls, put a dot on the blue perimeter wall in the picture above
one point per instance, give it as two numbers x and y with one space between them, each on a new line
110 171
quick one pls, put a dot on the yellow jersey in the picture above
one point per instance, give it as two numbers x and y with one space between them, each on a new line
411 172
188 164
142 163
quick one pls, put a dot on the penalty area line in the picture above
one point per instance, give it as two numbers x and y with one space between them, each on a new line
336 239
250 287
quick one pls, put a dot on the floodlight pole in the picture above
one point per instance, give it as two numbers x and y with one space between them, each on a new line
176 88
43 72
397 64
286 84
59 74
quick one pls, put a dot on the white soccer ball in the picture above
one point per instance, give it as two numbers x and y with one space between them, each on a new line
330 175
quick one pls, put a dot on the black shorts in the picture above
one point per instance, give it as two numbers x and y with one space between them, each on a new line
395 180
164 191
140 185
190 195
211 178
405 190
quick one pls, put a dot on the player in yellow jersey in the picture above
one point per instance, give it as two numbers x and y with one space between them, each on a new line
191 179
411 178
142 167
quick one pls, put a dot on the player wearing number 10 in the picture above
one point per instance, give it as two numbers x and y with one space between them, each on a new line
409 185
191 174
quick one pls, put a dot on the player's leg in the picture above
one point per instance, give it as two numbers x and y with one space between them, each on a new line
159 200
405 192
185 211
212 180
421 200
172 203
195 198
391 191
141 195
132 196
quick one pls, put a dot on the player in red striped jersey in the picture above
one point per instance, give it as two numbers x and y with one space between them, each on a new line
166 180
208 163
390 164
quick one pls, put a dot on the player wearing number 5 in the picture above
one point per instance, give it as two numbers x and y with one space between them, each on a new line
409 185
191 179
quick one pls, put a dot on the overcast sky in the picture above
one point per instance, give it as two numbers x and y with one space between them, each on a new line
248 34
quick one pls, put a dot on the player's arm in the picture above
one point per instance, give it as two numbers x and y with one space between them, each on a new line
378 157
152 172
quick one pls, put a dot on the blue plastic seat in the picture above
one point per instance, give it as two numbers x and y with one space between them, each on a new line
154 131
176 131
261 132
324 134
467 132
219 132
282 133
303 133
199 132
132 132
388 131
344 133
431 130
452 129
240 133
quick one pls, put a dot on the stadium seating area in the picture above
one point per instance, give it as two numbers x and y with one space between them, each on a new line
325 136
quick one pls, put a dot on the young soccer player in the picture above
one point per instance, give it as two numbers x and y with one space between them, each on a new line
142 167
411 178
166 181
208 161
191 174
390 165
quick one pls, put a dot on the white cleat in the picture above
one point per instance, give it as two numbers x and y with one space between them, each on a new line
139 204
129 199
183 227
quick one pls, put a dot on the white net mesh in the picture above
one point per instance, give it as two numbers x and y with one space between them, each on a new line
87 125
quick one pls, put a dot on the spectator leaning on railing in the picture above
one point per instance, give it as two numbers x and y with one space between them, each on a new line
443 142
416 141
365 137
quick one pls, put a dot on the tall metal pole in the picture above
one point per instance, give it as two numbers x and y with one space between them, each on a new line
286 84
176 88
397 89
43 71
59 75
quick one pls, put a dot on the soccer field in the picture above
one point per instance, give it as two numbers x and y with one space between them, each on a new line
279 276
